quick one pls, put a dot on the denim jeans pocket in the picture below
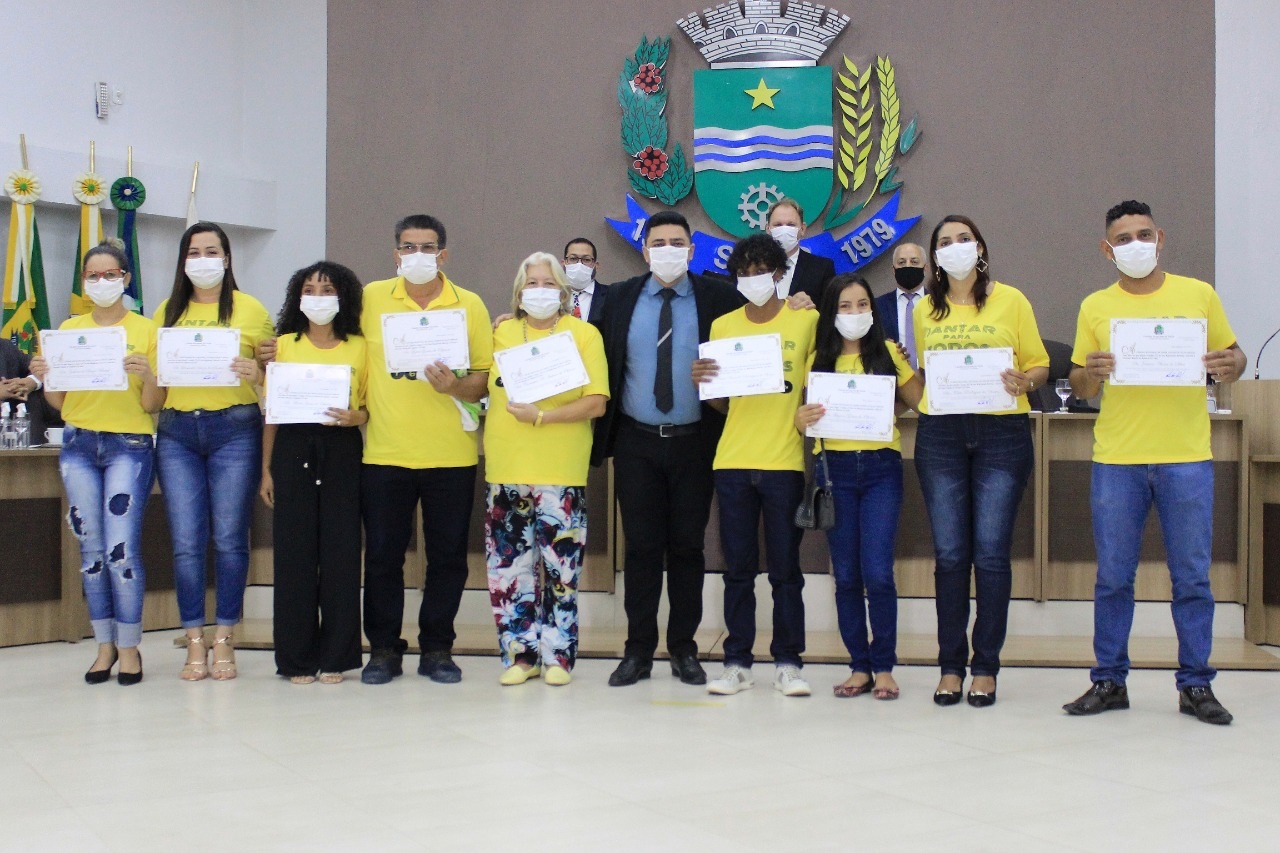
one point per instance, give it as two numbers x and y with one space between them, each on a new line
137 441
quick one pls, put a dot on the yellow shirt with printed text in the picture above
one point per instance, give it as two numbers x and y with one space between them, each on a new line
1006 320
351 352
251 318
411 425
552 454
760 432
1146 425
853 364
114 411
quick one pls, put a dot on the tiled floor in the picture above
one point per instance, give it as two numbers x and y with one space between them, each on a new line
258 764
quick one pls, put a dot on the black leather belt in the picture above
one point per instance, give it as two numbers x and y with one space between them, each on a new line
663 430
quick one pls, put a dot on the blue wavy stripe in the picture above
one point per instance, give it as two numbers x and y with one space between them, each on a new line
762 140
824 153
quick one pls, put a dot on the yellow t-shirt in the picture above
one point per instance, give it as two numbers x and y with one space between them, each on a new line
411 425
760 432
351 352
251 318
552 454
853 364
1006 320
1143 425
114 411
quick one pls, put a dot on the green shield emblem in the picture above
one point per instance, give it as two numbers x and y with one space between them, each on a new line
761 134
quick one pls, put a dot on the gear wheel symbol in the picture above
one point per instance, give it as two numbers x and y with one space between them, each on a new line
755 204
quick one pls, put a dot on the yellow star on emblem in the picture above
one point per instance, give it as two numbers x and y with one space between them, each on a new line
762 94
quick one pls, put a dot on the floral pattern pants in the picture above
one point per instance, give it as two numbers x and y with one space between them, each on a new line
534 541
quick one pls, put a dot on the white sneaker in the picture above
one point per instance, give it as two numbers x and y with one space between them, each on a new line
734 679
789 681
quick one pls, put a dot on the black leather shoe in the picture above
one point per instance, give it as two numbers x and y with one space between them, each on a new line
1203 705
439 667
631 670
947 698
128 679
101 676
383 665
1102 696
978 699
686 668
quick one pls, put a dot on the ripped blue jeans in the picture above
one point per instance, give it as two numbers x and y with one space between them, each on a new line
108 477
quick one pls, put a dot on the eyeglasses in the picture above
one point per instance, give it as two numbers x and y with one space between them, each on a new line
105 275
580 259
410 248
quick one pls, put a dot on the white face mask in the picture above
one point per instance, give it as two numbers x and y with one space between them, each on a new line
320 309
669 263
104 293
788 236
418 268
540 303
1136 259
958 259
579 275
206 273
759 289
853 327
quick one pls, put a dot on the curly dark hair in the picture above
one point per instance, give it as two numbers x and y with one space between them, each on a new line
829 344
350 292
758 250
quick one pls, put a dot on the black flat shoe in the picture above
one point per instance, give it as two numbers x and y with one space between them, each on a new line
101 676
978 699
1200 703
128 679
631 670
686 668
947 698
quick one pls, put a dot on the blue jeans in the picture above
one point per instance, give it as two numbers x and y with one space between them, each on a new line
867 487
108 477
210 465
746 496
1120 497
973 470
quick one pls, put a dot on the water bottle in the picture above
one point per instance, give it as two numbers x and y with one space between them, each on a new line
8 438
22 428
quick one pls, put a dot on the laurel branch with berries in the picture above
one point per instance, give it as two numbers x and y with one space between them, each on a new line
655 171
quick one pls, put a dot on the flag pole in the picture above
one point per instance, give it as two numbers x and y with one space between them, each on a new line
91 156
129 163
195 174
22 144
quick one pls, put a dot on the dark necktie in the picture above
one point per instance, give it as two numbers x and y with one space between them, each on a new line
577 309
663 395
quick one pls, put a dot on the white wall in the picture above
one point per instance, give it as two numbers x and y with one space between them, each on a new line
1248 173
238 85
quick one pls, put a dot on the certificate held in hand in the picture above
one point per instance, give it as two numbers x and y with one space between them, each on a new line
967 381
85 359
1159 351
304 393
858 406
413 339
540 369
191 356
747 365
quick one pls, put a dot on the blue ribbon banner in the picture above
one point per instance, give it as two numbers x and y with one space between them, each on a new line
850 253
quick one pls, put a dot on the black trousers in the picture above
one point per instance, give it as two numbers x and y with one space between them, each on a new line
316 625
664 488
390 495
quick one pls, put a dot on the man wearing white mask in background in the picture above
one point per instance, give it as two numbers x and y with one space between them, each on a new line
895 307
662 440
581 266
806 272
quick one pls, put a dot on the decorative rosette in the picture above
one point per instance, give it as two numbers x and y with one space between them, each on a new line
651 162
89 188
128 194
22 186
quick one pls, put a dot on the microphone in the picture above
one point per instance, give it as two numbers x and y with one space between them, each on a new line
1258 361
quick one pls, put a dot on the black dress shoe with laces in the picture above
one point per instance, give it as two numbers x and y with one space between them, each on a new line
686 668
631 670
1102 696
1200 703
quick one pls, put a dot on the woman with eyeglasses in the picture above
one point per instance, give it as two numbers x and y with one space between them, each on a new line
974 467
535 457
209 449
107 465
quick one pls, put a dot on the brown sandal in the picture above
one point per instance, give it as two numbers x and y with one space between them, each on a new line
224 669
196 670
845 690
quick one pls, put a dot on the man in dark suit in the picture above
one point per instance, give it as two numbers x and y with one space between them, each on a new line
581 266
896 306
806 272
17 385
662 440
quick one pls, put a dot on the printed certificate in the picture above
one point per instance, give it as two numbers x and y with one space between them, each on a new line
748 365
412 340
85 359
193 356
542 368
967 381
858 406
1159 351
303 393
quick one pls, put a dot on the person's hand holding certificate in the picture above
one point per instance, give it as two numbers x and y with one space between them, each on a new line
968 381
1158 351
542 368
856 406
196 356
304 393
85 359
412 340
744 366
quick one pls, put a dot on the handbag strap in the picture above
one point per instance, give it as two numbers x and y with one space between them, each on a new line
826 472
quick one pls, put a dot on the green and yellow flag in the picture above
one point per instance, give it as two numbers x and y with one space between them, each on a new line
26 310
90 190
